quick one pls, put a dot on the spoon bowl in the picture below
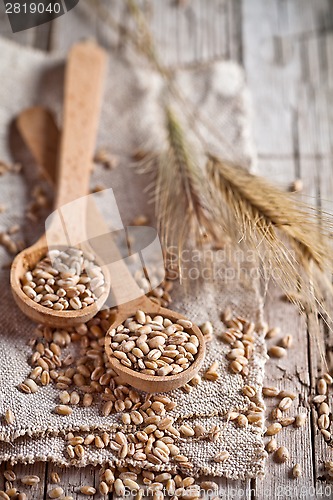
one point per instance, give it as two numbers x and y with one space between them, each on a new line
153 383
25 261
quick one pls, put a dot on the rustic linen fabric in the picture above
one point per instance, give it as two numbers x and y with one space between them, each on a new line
131 116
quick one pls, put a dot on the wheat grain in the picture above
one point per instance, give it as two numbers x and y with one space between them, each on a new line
153 348
270 391
9 416
273 429
271 446
63 410
55 477
322 386
285 403
56 492
297 471
87 490
222 456
30 480
277 352
64 280
282 454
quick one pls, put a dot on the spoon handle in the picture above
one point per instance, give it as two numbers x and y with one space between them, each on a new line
84 78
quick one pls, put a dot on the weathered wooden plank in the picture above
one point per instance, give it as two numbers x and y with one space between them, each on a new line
267 72
194 32
71 479
290 373
37 469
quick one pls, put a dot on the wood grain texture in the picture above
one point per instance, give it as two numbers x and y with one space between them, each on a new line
286 47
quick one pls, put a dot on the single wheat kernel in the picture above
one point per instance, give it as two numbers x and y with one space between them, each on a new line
249 391
87 400
79 451
63 410
319 398
327 377
103 488
45 378
270 392
140 494
277 352
285 421
121 438
9 416
271 446
242 421
87 490
273 429
236 367
323 421
297 186
287 394
196 380
161 478
199 430
322 386
55 477
211 373
99 442
131 484
23 496
4 495
326 434
89 439
107 408
186 430
207 328
254 418
222 456
109 476
297 471
286 341
11 492
10 475
209 485
272 332
282 454
276 414
324 408
29 386
56 492
285 403
119 488
30 480
74 398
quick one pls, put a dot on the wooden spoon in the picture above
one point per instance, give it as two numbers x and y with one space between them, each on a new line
42 150
84 79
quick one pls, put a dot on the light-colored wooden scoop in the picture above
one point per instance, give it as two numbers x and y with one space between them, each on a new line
84 78
41 148
152 383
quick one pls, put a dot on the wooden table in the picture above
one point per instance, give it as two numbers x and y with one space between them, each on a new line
286 50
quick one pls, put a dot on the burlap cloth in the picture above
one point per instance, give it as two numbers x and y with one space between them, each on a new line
131 115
